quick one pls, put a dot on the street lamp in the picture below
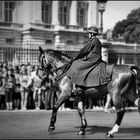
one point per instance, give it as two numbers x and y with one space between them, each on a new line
101 9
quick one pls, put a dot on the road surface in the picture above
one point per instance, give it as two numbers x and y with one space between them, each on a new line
34 125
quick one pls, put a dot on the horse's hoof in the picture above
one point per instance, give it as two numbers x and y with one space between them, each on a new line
81 132
51 128
108 135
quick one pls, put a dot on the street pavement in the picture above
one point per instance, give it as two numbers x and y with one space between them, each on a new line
32 124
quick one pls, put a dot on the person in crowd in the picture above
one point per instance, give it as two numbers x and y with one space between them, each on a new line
37 87
2 89
4 71
17 95
107 104
50 88
4 76
31 104
9 88
4 64
24 86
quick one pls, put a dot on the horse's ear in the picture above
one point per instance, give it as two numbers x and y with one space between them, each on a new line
41 50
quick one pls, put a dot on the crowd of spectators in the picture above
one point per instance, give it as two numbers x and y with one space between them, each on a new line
16 88
17 92
21 89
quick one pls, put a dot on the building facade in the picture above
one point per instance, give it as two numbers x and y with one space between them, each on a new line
55 25
57 22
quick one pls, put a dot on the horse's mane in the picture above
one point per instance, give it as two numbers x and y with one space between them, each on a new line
57 64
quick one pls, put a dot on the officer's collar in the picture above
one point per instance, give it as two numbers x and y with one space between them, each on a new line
92 37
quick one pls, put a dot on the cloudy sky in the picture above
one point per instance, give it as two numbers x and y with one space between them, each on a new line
117 11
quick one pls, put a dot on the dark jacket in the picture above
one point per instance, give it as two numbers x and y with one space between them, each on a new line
87 68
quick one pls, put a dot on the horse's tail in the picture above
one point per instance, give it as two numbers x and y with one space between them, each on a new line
136 73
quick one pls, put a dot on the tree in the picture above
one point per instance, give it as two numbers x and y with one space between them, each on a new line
128 28
119 29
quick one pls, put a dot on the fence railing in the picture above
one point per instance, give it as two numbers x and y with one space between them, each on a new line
28 52
18 54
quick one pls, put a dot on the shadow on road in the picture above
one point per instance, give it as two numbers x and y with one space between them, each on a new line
92 129
103 129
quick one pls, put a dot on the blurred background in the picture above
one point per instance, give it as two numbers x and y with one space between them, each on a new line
61 28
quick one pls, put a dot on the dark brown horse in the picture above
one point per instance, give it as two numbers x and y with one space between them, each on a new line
123 85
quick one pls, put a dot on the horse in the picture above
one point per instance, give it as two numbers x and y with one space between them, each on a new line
123 85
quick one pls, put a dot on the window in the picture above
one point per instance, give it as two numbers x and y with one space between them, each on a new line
46 11
69 42
64 12
82 14
48 41
10 41
8 11
129 60
1 11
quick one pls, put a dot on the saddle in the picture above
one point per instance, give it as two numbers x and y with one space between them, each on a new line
105 69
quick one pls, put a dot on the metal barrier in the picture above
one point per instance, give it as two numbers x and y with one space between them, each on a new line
28 52
18 55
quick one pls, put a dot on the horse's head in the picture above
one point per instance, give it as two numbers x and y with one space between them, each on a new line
45 60
41 58
48 63
46 69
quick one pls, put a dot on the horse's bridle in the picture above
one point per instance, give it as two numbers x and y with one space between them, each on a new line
47 68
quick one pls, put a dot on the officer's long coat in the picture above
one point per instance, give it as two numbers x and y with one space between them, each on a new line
88 69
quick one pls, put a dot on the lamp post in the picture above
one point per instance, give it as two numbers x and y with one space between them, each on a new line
101 9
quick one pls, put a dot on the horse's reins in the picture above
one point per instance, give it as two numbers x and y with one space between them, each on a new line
65 66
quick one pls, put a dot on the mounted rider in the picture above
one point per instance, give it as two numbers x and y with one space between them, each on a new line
88 69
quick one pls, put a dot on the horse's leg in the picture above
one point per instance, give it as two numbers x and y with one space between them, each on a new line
47 99
65 94
81 111
120 111
62 98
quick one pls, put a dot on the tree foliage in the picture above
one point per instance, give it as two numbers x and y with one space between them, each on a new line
128 28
